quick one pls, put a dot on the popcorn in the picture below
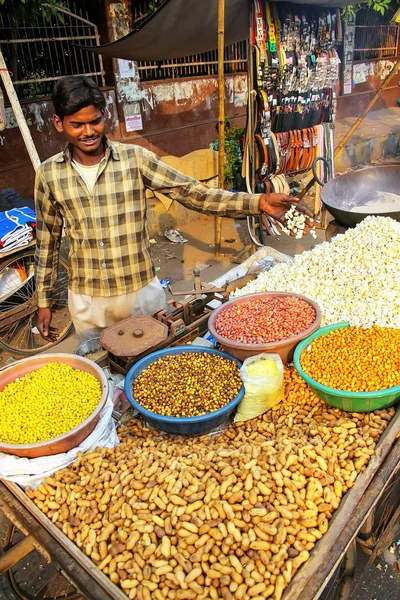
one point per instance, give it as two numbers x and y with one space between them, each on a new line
295 223
355 277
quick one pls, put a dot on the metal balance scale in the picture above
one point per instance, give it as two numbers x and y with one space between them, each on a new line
135 337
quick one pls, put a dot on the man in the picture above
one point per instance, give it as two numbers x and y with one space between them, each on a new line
96 190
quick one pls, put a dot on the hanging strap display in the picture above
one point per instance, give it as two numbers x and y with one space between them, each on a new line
272 48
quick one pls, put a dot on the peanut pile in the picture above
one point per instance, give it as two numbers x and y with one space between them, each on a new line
262 320
230 517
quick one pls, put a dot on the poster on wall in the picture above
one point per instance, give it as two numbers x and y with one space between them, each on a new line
133 117
126 68
360 73
348 80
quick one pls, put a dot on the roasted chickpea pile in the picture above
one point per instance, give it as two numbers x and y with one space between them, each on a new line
231 517
46 403
355 359
265 320
188 384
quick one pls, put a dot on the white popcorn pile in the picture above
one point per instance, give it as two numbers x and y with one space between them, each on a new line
355 277
296 222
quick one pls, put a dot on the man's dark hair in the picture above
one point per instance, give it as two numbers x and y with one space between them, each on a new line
72 93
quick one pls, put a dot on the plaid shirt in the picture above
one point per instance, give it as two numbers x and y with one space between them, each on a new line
108 231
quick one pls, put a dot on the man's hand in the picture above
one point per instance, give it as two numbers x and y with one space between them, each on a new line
277 205
43 324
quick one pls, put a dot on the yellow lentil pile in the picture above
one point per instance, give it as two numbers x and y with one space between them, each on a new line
46 403
188 384
231 517
355 359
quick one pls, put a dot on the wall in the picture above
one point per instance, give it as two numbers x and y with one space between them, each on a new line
16 169
173 116
178 116
367 78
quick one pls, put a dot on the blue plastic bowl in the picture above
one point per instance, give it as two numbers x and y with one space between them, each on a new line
184 426
348 401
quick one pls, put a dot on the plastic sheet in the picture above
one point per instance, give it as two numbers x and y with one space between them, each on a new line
256 262
33 471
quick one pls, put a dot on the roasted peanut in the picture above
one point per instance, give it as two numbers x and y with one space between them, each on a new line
231 517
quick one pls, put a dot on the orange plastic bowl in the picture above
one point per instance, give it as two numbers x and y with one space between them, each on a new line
285 348
72 438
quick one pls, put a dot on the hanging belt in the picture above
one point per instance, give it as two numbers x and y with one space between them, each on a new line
273 154
292 142
299 153
305 150
339 30
312 148
278 31
271 29
260 29
262 168
286 150
274 144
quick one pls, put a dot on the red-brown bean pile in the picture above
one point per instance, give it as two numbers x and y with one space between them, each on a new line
265 320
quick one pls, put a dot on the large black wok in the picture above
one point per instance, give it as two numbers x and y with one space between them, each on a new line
357 188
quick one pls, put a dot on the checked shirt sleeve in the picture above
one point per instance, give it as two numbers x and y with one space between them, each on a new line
159 176
48 239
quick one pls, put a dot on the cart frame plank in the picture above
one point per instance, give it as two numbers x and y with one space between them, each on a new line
74 564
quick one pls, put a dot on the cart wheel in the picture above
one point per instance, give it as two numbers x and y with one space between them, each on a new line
18 305
32 578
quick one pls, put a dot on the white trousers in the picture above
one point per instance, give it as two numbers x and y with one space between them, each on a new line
91 312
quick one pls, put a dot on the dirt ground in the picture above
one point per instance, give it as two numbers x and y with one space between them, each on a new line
177 261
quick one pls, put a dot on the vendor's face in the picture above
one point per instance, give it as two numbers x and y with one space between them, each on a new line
84 129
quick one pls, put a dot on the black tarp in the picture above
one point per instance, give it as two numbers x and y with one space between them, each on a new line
186 27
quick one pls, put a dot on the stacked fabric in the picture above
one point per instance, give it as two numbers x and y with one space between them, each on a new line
16 228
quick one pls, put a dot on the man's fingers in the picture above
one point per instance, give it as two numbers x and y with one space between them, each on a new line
48 332
52 334
46 326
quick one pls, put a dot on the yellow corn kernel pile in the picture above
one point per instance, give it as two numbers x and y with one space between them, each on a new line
46 403
355 359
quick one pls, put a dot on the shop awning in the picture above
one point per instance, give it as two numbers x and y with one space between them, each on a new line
187 27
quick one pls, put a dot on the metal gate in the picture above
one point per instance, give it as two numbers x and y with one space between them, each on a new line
40 52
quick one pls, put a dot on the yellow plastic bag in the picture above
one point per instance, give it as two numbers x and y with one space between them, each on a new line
262 376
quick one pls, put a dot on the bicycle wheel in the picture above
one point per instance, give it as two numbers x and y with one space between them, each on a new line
32 578
18 305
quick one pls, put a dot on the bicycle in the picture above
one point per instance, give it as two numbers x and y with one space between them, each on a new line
18 302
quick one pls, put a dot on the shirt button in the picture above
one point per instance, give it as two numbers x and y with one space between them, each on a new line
103 265
101 244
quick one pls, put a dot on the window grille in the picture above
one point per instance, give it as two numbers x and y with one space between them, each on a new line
375 37
190 66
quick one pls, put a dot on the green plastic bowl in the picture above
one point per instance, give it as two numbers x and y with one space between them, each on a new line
349 401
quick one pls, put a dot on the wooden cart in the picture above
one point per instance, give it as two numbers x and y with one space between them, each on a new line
355 511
